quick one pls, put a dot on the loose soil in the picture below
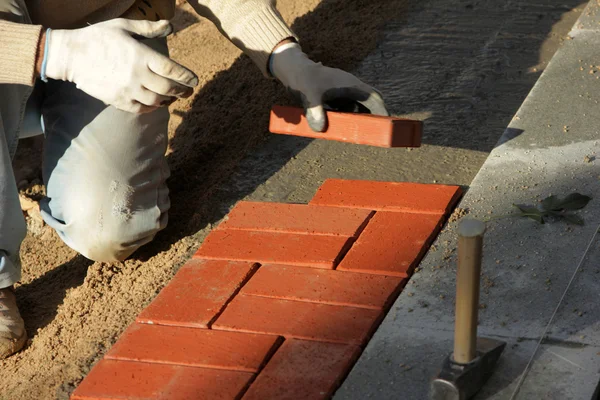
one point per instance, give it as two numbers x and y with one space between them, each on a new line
75 309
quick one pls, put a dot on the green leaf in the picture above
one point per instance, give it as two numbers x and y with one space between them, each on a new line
574 201
530 212
552 206
574 219
550 203
528 209
536 217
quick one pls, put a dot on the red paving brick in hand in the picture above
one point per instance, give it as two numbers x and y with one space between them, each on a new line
194 347
297 319
323 286
276 248
197 293
112 379
373 130
303 370
297 218
387 196
392 243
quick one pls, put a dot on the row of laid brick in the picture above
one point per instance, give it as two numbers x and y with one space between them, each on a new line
319 234
336 310
389 245
299 370
328 305
186 358
312 368
357 199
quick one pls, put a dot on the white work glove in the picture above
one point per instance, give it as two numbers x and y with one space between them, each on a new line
108 62
319 87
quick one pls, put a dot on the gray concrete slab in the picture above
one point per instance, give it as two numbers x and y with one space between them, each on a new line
401 362
589 18
562 371
567 365
549 148
577 319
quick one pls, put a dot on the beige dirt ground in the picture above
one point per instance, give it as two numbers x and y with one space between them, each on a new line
74 308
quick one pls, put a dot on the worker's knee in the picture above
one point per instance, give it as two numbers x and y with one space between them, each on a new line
110 225
105 178
113 238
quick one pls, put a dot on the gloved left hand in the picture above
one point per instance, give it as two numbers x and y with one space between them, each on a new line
108 61
318 86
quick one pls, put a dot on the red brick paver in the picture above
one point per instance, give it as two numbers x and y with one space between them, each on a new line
392 243
298 319
277 248
387 196
112 379
303 370
194 347
279 300
197 293
323 286
297 218
373 130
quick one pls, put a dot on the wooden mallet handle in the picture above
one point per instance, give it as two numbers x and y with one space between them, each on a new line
470 244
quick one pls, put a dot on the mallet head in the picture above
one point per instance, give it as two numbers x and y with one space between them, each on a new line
461 381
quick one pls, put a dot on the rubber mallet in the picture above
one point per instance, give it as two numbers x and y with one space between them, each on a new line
471 364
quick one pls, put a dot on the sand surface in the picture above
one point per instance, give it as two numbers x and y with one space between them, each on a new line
462 66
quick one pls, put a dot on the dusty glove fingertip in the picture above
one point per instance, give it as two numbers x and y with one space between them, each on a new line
316 124
167 30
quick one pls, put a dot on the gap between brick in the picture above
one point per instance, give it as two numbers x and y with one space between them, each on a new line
321 302
282 339
276 347
353 240
253 270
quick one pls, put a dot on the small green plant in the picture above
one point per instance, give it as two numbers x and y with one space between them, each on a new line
553 207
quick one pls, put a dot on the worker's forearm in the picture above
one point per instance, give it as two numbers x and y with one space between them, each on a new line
40 54
254 26
285 41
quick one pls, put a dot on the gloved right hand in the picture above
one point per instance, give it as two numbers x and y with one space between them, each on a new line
108 62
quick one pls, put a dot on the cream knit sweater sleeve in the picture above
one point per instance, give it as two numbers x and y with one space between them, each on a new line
18 48
254 26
